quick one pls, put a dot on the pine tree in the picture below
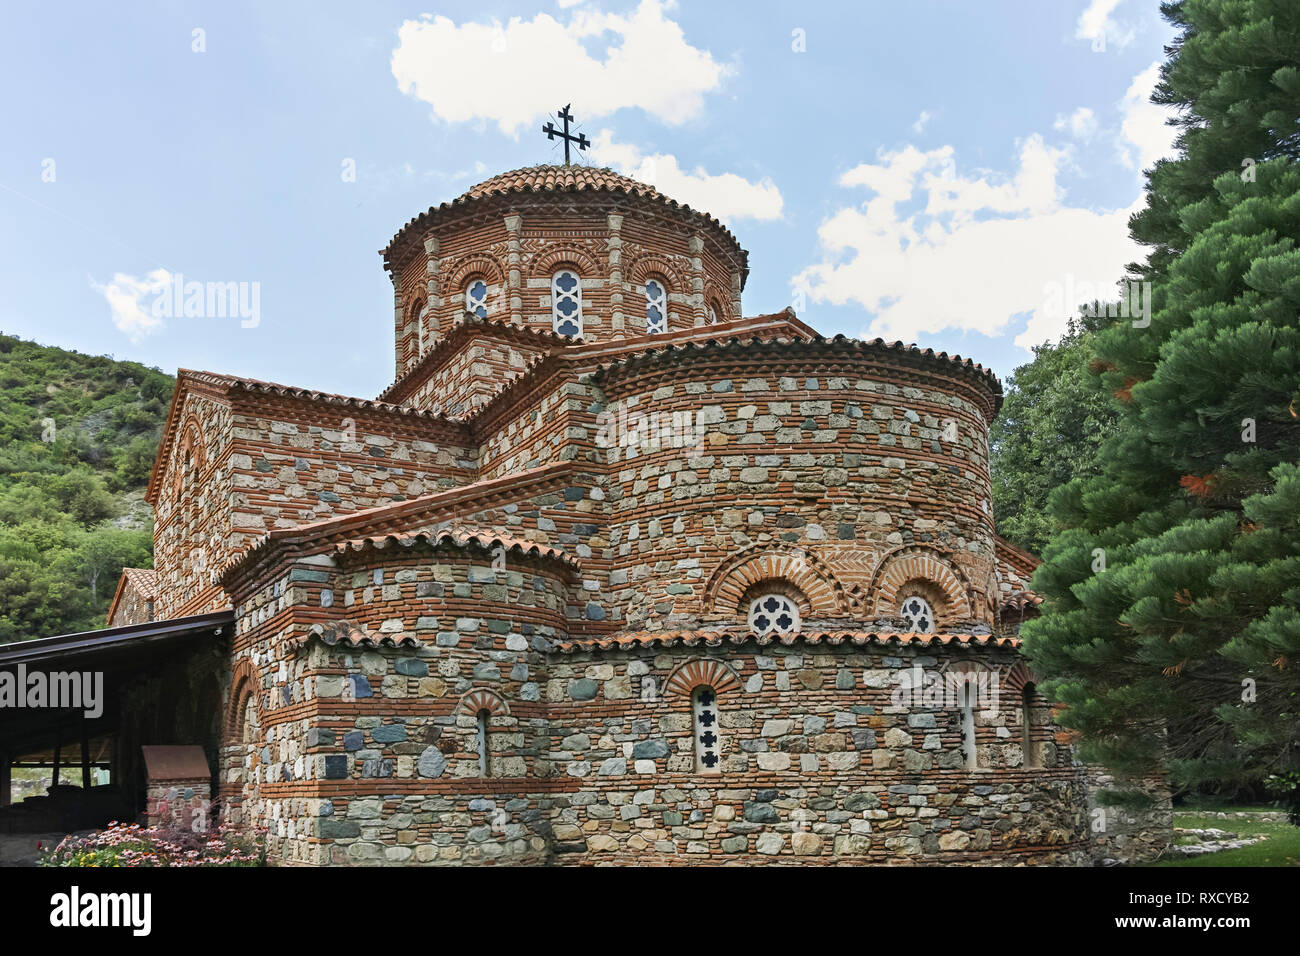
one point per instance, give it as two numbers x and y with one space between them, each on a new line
1172 621
1053 418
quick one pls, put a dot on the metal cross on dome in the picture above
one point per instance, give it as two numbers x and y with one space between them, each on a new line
551 132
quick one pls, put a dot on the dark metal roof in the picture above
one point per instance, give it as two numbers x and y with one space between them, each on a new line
116 641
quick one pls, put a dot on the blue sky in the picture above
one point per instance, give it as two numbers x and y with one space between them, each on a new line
927 171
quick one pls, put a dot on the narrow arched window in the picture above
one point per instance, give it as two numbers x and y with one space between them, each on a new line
708 734
1032 757
566 302
476 298
773 613
917 615
656 307
248 729
715 316
418 311
966 707
484 757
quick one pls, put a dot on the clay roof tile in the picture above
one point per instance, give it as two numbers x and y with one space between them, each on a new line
716 638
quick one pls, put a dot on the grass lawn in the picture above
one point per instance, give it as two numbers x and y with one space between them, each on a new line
1282 848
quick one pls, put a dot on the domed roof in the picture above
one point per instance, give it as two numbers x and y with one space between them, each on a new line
561 179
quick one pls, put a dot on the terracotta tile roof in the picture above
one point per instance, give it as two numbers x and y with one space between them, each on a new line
784 327
1023 561
457 538
671 351
469 328
354 523
553 178
235 382
1021 600
561 179
351 635
144 580
834 638
226 384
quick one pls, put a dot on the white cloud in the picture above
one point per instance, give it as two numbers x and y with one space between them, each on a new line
921 121
725 195
1081 124
978 252
1098 27
1146 135
126 297
512 74
974 252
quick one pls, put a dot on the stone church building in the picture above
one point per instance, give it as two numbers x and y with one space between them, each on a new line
610 573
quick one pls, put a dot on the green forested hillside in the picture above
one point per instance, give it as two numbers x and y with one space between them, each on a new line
78 435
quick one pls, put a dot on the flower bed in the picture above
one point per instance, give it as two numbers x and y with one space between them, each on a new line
132 845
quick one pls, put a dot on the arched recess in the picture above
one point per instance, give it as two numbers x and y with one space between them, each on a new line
243 684
1019 676
551 257
476 266
239 759
714 298
191 454
480 699
733 579
649 265
927 572
697 672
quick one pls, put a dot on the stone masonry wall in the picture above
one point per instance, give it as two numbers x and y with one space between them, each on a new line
290 465
821 765
419 641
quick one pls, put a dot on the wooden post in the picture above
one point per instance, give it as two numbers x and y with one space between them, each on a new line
58 742
85 754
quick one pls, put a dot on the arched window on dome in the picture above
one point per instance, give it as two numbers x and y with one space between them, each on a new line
415 324
715 312
708 733
476 298
773 613
566 302
656 307
918 616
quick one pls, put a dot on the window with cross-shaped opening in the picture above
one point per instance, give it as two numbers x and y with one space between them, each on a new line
656 307
917 615
773 613
476 298
708 734
566 302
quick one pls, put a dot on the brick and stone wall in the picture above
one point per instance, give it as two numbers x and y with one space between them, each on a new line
515 245
373 756
547 544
